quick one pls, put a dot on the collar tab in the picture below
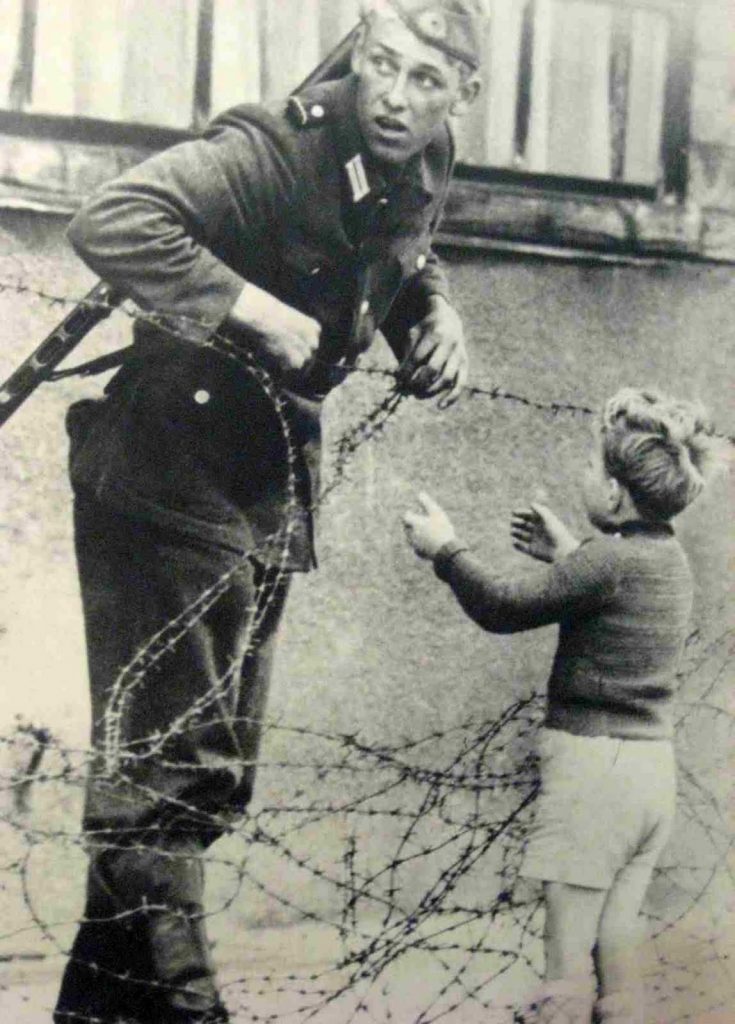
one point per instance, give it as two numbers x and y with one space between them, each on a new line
358 178
637 526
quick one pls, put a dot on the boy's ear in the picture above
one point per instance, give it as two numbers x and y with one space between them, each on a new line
614 494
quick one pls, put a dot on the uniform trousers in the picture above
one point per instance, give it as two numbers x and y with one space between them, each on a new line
178 694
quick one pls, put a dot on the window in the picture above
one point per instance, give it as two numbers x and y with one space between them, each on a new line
159 62
581 89
591 93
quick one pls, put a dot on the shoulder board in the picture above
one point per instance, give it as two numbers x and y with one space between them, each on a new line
305 113
247 114
270 123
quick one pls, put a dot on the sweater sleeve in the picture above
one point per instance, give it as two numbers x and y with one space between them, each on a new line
579 585
152 231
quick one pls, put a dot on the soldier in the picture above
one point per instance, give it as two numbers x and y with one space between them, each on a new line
297 230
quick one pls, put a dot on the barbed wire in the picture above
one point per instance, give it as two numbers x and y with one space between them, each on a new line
487 390
440 896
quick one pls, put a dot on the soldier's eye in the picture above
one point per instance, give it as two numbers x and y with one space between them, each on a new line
383 65
428 83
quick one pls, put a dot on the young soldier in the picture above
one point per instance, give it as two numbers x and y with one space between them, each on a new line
297 230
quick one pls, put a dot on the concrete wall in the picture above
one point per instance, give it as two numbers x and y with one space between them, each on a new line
372 643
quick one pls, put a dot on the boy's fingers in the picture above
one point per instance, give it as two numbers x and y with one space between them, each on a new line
541 510
523 520
428 503
521 535
524 513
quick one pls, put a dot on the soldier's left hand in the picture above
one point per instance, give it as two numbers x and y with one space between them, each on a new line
436 362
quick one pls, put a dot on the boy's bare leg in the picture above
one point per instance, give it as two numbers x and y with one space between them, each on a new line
572 917
620 940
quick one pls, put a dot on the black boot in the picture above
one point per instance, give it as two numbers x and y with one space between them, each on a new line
165 887
107 972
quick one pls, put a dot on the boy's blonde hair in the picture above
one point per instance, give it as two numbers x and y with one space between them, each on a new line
661 449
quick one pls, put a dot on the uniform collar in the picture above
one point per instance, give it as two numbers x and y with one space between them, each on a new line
339 101
635 527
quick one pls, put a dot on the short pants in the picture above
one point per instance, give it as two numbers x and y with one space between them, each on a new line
605 804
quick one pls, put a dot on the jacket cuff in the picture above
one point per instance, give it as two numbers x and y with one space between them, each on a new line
202 311
432 283
445 556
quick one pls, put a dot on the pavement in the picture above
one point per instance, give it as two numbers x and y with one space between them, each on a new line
288 974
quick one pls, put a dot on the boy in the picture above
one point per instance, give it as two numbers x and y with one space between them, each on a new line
623 601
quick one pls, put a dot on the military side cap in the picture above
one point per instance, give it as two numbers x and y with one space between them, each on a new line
453 26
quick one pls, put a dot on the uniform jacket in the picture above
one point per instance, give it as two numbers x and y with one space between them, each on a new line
284 197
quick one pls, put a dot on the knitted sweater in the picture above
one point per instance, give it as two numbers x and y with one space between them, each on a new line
623 603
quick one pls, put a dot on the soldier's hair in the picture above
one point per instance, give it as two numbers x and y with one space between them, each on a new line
663 450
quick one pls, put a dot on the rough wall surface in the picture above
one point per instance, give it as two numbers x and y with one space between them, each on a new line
372 643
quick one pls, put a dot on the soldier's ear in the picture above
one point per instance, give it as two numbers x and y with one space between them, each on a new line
468 92
358 47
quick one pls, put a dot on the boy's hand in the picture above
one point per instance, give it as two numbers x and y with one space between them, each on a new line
537 532
430 530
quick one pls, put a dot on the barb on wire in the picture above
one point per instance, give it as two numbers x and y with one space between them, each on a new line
399 859
493 392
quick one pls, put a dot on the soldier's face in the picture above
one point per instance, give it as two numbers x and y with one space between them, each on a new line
406 89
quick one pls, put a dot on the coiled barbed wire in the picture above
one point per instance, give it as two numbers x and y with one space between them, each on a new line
454 803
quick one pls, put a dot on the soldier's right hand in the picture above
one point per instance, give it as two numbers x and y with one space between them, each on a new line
286 339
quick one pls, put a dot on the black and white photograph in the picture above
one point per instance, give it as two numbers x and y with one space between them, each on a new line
366 439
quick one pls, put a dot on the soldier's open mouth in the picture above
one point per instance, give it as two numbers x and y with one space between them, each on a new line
390 126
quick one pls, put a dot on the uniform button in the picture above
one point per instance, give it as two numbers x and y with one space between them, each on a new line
201 397
383 201
421 262
315 270
317 110
364 307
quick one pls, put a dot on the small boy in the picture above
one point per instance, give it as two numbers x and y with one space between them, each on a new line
623 601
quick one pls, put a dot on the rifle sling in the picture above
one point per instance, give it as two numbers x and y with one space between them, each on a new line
94 366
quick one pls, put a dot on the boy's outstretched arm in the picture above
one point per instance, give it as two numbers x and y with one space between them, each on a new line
579 584
538 532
